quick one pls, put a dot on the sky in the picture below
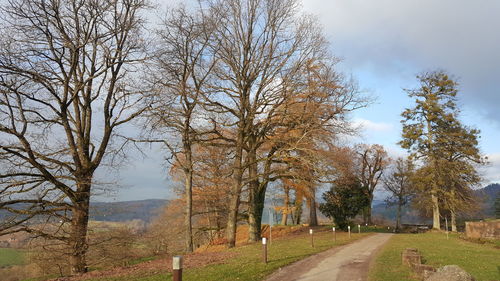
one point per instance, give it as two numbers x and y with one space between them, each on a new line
384 44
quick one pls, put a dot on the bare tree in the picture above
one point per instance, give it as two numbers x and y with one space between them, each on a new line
268 55
372 160
182 65
258 44
399 183
66 75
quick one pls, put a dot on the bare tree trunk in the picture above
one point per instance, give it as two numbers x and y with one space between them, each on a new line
369 210
78 235
435 211
254 207
234 203
188 174
255 215
234 197
298 209
398 216
453 221
209 219
257 195
313 218
189 209
284 217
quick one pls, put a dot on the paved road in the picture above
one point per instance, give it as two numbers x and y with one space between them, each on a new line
347 263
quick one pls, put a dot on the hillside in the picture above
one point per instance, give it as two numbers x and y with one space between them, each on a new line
485 195
488 196
144 210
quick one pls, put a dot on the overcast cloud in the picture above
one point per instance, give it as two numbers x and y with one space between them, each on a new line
394 38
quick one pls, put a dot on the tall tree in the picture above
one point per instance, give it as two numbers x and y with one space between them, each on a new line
372 160
181 67
67 70
259 45
461 159
399 183
434 135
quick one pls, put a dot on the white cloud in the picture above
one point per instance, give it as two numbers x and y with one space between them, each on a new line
371 126
491 172
395 38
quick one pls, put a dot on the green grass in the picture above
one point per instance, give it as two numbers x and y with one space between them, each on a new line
378 229
247 265
9 256
482 261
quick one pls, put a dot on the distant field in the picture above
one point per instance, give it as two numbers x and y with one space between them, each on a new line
10 257
482 261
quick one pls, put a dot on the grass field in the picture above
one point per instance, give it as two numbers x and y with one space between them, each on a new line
247 263
10 256
482 261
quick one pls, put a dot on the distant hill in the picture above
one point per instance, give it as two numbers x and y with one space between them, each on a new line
409 216
144 210
488 195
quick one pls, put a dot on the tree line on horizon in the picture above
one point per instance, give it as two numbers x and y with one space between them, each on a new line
244 95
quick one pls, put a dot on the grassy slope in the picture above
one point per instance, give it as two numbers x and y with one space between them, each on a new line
482 261
247 265
10 257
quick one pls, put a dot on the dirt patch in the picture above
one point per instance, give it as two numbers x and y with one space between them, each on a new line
162 265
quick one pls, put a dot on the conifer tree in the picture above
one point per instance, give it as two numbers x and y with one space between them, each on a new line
434 135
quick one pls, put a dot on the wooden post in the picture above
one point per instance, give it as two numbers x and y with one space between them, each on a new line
349 230
312 237
334 235
177 268
264 250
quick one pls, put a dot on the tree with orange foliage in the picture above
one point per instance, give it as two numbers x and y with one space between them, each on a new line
262 49
211 183
312 119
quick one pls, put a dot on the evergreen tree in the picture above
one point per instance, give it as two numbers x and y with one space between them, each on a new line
433 134
343 202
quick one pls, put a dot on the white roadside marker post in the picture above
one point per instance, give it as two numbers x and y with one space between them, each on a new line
264 249
334 235
177 268
359 228
349 230
312 237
